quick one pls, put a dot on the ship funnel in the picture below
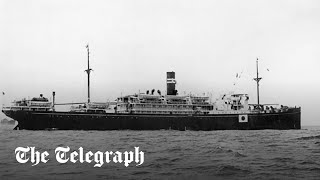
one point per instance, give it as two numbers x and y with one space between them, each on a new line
53 99
171 83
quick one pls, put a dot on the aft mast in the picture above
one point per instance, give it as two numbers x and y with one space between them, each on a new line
257 79
88 72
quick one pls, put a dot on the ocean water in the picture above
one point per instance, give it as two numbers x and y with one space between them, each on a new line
168 154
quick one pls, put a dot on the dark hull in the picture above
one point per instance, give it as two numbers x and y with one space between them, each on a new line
33 120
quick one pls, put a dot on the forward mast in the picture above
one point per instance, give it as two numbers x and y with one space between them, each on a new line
257 79
88 72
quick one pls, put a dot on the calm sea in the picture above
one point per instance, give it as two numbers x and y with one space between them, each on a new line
263 154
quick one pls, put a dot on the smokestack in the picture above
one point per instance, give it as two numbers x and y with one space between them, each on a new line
53 100
171 83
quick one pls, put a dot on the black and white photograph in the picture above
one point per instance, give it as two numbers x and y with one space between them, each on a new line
159 89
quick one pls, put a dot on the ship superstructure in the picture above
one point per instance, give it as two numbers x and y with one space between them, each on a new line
35 104
170 103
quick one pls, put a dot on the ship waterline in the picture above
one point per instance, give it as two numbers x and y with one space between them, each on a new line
38 120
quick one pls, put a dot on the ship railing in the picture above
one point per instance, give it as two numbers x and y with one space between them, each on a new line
176 102
176 97
231 112
202 105
98 106
5 108
149 109
163 108
199 98
160 112
89 110
163 111
40 104
270 108
26 108
249 111
153 102
160 104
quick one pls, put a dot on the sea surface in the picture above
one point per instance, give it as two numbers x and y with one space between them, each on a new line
169 154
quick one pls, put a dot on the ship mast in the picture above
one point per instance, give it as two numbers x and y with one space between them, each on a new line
257 79
88 72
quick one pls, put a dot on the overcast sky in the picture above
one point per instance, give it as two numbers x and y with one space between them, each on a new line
134 43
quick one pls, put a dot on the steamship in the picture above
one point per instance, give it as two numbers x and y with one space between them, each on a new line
154 111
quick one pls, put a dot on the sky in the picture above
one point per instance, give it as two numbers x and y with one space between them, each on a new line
134 43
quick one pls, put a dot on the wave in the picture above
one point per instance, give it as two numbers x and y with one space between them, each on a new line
140 173
282 159
308 162
175 159
221 150
229 170
237 154
309 137
175 149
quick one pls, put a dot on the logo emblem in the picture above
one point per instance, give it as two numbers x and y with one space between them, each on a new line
243 118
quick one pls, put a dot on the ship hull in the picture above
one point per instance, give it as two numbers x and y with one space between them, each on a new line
37 120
